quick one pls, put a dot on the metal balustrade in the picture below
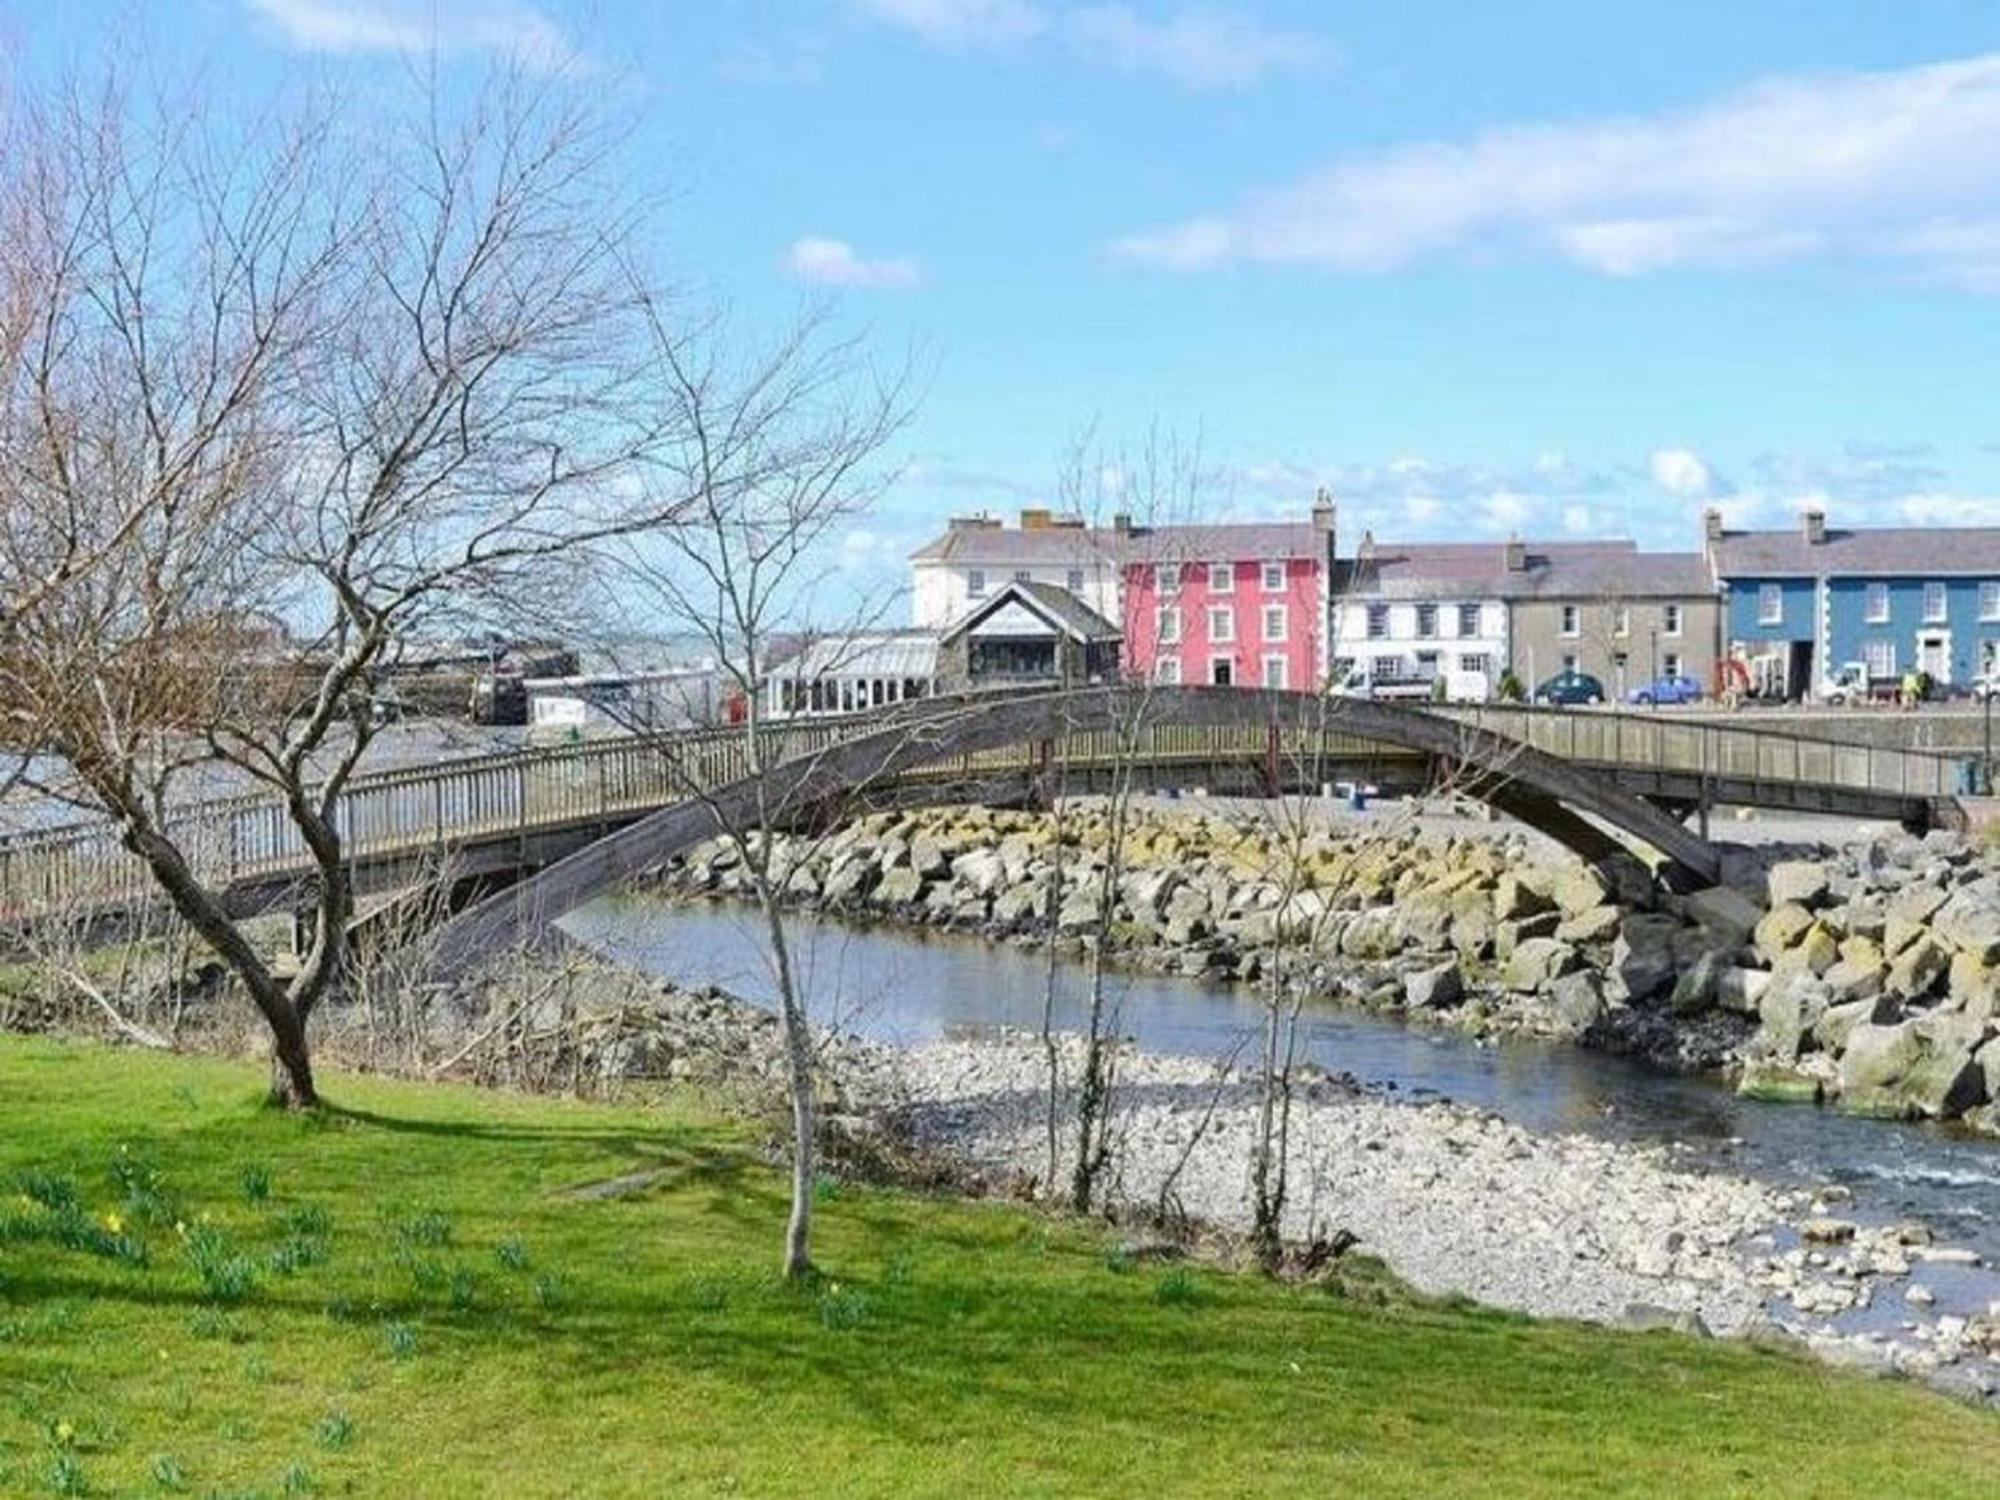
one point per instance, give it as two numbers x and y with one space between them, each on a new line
407 811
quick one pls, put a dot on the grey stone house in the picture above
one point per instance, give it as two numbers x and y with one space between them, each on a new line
1028 634
1624 616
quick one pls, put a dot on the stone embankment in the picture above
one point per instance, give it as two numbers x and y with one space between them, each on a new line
1870 978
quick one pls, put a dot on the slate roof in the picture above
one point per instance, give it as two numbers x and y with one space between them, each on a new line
1611 567
870 653
1884 551
1058 606
1077 546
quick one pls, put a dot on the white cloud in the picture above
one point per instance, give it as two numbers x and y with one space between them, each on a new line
1681 472
826 262
1893 167
1937 509
960 25
1579 520
1198 47
514 30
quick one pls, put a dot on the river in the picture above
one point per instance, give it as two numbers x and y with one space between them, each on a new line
901 985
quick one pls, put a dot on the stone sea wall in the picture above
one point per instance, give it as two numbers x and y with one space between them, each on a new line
1868 977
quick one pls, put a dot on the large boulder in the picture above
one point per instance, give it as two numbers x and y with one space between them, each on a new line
1970 920
1514 931
1917 968
1920 1067
1726 913
980 871
1537 963
1645 959
1799 882
1593 924
1789 1010
1697 986
1433 988
1578 1000
1514 898
898 888
928 858
1779 929
1579 888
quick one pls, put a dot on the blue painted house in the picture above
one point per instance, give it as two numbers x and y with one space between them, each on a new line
1800 604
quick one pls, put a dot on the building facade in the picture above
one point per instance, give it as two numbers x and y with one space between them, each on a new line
1418 612
1805 604
977 555
1626 617
849 673
1243 604
1231 605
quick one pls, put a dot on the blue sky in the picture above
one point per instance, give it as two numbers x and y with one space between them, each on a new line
1550 266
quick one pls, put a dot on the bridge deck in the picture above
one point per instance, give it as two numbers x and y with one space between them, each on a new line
247 844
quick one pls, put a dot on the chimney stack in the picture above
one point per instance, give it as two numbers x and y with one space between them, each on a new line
1121 523
1517 555
1711 524
1813 520
1323 511
1035 518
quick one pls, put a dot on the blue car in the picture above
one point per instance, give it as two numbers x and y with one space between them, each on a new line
1666 690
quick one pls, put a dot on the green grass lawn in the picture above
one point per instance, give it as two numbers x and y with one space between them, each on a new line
406 1296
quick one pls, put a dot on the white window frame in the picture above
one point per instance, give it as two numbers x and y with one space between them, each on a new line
1672 618
1371 614
1073 580
1167 578
1432 633
1222 661
1222 578
1024 575
1226 617
1770 604
1879 652
1167 624
1272 573
1989 599
975 583
1469 612
1167 671
1280 663
1282 616
1571 623
1622 621
1875 603
1476 661
1670 664
1939 614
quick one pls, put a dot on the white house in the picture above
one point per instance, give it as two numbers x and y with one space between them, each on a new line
1420 610
978 554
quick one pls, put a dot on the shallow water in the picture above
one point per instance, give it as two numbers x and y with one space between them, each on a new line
902 985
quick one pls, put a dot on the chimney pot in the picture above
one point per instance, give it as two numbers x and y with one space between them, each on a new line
1517 555
1813 520
1121 523
1711 524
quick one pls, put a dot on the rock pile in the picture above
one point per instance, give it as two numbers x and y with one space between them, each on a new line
1870 977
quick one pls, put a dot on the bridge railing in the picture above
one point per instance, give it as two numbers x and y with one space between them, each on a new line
404 812
1718 751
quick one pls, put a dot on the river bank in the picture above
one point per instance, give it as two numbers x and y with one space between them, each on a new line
1868 977
1455 1200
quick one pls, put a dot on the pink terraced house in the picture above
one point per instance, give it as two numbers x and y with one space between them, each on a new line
1233 604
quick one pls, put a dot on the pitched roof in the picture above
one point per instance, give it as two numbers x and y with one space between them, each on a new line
1062 609
864 653
1076 546
1883 550
1568 569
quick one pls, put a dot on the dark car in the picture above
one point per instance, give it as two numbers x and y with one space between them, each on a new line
1666 690
1568 688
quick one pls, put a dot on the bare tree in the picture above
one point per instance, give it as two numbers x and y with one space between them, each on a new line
285 400
778 455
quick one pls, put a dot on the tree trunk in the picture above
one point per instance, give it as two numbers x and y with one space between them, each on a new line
291 1064
799 1081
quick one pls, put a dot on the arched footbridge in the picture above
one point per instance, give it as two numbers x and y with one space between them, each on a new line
576 819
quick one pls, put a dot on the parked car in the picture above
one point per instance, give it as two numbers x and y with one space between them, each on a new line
1666 690
1568 688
